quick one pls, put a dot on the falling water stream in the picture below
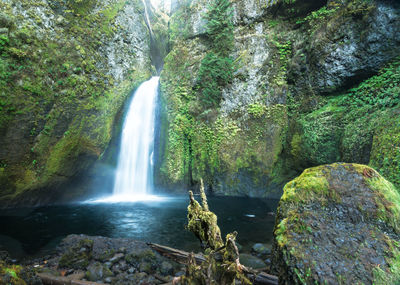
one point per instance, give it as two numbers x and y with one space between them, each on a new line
134 174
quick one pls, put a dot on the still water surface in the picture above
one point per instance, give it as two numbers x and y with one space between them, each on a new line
37 231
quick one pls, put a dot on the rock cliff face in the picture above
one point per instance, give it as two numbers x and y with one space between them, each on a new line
66 69
311 82
253 92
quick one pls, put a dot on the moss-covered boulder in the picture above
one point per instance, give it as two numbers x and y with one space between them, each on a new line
338 224
78 255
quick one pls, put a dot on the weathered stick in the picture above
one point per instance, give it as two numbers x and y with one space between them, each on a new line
48 279
180 256
177 255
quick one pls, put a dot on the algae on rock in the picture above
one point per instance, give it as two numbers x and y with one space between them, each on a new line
334 217
66 69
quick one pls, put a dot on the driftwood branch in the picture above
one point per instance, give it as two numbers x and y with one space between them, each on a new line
48 279
177 255
180 256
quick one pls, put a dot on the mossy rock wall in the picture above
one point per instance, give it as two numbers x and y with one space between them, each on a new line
66 69
301 69
335 217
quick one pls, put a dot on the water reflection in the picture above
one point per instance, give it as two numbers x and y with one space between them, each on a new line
38 230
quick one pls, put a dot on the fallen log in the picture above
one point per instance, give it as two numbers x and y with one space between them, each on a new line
177 255
180 256
48 279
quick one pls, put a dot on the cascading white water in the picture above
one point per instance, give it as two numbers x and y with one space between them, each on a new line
134 175
134 172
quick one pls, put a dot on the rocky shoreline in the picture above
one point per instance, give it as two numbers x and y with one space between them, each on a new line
95 259
336 223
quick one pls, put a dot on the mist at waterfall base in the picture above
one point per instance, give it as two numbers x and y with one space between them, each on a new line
134 173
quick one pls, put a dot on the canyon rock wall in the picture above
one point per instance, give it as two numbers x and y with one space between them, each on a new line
307 83
66 69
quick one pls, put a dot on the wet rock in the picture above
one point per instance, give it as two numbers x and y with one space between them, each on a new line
78 255
140 276
338 223
166 268
296 8
145 267
116 257
138 257
251 261
123 266
261 249
97 271
370 36
267 261
116 269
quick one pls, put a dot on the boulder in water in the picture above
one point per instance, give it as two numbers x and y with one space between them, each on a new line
338 224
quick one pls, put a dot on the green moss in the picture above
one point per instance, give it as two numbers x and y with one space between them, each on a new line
257 110
77 257
203 223
382 277
143 256
359 125
388 201
311 185
385 153
59 88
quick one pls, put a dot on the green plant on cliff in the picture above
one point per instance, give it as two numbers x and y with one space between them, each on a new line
214 73
220 26
54 81
361 124
380 91
216 69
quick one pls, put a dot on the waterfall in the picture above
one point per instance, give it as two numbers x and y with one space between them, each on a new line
134 174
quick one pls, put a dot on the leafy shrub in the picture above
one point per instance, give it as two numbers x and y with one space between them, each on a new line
220 26
215 72
379 91
216 69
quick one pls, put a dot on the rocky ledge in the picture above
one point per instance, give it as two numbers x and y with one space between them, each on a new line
92 260
338 224
81 259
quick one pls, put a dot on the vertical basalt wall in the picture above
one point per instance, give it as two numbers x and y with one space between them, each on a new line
67 67
308 83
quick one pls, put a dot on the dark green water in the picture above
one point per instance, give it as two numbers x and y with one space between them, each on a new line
37 231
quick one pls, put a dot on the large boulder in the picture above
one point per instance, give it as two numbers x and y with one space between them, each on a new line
338 224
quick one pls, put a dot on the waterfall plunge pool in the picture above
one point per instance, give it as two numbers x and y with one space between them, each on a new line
36 232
